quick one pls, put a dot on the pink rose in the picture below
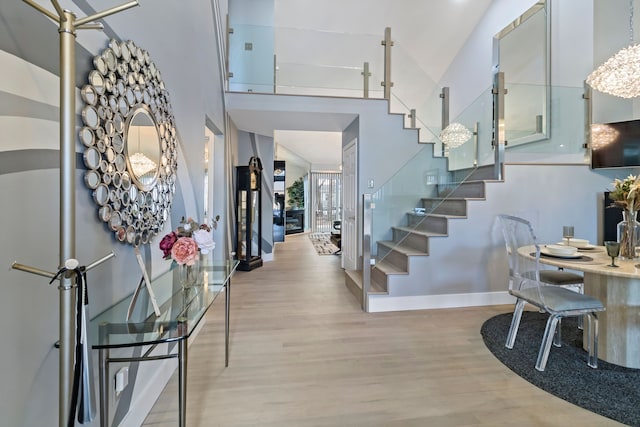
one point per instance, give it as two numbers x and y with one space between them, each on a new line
167 243
185 251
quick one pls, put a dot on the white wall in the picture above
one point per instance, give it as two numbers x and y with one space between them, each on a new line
188 62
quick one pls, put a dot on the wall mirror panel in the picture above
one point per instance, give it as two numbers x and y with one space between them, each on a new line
522 52
130 143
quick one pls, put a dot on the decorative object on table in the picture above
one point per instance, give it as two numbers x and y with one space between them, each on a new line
184 246
130 145
625 195
567 233
613 250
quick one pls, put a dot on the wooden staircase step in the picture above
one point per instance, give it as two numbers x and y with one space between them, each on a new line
445 206
484 172
432 223
402 248
354 282
467 189
388 268
418 231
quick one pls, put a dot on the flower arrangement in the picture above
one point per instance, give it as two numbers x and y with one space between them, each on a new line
625 193
187 242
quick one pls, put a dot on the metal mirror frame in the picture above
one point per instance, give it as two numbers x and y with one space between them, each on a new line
123 81
541 6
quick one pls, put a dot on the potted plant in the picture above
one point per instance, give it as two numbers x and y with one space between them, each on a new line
296 194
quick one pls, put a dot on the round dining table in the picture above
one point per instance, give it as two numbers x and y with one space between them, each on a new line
619 290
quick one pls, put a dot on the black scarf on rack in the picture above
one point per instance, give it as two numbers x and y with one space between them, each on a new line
82 392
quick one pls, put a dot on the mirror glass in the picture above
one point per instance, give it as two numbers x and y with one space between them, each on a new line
143 148
522 52
130 144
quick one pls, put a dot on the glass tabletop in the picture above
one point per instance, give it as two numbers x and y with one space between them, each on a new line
180 309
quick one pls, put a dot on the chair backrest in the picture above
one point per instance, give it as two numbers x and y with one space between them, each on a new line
524 271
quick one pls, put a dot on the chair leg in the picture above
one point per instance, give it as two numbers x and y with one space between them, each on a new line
547 339
557 337
515 323
592 333
581 318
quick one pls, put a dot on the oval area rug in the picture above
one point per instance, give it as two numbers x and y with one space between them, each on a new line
610 390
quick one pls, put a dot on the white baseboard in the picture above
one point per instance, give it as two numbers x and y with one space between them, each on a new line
380 303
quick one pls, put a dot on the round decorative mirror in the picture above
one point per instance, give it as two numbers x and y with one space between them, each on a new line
130 143
142 146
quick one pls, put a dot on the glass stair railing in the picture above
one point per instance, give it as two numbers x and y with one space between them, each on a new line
431 189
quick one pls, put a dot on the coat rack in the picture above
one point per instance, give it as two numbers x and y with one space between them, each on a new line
68 25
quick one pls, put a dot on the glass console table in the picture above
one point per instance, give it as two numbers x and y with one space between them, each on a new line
181 311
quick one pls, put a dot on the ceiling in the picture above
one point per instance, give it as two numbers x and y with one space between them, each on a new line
431 32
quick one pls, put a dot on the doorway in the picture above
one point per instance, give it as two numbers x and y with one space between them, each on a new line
326 195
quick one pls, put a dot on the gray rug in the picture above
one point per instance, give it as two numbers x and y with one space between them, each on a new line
610 390
322 243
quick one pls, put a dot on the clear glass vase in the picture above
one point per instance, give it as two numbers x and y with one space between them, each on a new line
188 274
628 234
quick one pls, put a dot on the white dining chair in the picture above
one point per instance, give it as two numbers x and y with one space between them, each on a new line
527 286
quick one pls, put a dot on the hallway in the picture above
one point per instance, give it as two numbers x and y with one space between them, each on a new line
302 353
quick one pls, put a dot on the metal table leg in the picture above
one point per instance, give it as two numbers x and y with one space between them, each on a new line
182 382
103 363
227 309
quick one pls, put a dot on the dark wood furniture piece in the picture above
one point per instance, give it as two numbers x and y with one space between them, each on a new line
249 215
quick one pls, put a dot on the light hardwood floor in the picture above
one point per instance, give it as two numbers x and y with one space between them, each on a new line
302 353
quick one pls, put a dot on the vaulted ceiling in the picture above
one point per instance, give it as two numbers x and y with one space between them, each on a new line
431 32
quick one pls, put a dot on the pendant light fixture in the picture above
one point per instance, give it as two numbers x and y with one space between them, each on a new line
620 74
455 135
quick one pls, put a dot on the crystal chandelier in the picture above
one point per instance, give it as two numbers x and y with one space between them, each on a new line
141 164
455 135
620 74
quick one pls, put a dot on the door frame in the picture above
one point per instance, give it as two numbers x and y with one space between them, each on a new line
350 243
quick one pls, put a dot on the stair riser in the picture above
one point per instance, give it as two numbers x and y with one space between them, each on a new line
446 207
379 278
433 224
392 257
418 242
354 288
486 172
466 189
379 284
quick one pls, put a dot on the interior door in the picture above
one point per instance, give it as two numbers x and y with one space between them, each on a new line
350 206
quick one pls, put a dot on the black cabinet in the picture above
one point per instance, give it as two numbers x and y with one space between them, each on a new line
294 221
248 215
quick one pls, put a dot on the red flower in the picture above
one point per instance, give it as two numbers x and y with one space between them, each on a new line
167 243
